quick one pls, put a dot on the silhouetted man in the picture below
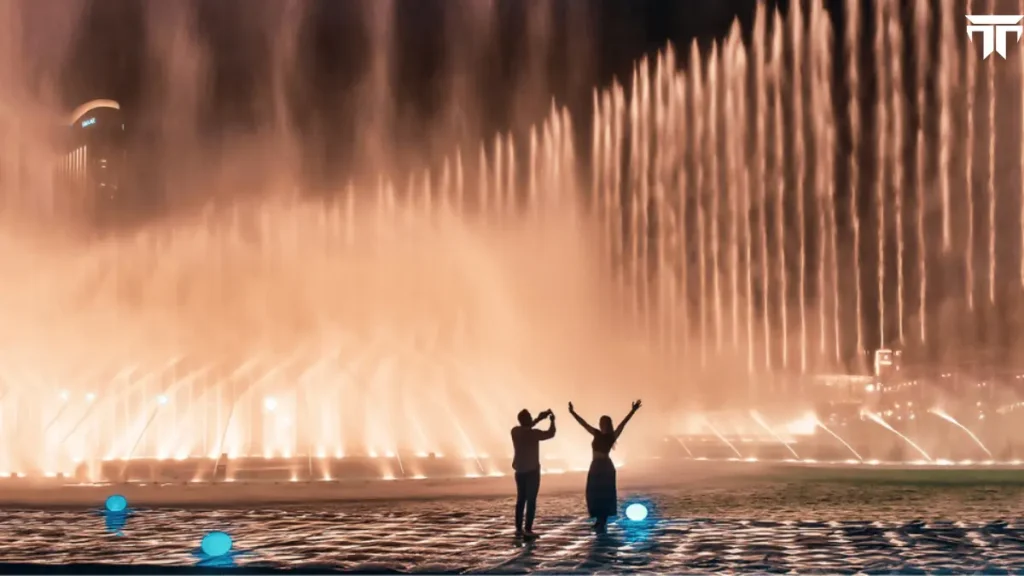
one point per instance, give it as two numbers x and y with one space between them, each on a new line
526 462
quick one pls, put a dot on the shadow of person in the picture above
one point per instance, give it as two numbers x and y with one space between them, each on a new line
521 563
602 552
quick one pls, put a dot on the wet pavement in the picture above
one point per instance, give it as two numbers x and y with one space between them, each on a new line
805 525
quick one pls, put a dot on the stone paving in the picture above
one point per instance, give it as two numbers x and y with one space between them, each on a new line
803 527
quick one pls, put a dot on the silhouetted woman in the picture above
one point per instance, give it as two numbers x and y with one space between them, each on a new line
602 499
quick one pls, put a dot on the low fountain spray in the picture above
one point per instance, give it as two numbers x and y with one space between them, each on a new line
878 419
942 414
760 422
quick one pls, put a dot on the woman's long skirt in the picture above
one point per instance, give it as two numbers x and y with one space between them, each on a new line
602 498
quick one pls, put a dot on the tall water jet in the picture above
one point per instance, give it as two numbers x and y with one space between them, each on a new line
921 48
851 48
779 175
898 182
970 63
734 132
714 95
376 98
823 183
990 187
683 187
881 157
948 33
761 111
796 20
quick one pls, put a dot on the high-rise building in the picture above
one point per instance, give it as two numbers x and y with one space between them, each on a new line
91 174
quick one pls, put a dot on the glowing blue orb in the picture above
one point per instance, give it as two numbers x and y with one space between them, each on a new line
636 512
116 503
216 544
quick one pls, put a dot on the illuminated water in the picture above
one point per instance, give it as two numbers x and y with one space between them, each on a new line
701 255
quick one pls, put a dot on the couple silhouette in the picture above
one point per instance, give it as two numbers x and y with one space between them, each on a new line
602 498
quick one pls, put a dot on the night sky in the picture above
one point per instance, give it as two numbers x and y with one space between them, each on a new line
590 43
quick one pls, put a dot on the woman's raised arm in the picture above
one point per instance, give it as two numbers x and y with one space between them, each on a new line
622 425
582 422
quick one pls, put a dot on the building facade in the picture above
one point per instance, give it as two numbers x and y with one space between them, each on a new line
90 175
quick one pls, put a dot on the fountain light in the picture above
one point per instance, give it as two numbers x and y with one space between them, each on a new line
636 512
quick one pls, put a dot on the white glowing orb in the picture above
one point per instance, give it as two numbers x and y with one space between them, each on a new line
270 403
161 399
64 395
89 397
636 512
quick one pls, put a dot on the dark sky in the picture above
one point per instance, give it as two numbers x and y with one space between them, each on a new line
591 41
513 77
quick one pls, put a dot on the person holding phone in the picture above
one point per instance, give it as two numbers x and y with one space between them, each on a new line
526 462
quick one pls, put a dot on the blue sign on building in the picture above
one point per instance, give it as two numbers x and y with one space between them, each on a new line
88 122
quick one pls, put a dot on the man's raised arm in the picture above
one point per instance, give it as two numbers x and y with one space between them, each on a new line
550 432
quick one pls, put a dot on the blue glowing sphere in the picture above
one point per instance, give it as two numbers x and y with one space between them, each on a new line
116 503
636 512
216 544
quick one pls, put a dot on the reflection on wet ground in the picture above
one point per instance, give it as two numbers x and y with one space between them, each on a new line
806 526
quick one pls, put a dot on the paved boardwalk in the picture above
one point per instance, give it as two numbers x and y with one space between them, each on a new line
801 526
